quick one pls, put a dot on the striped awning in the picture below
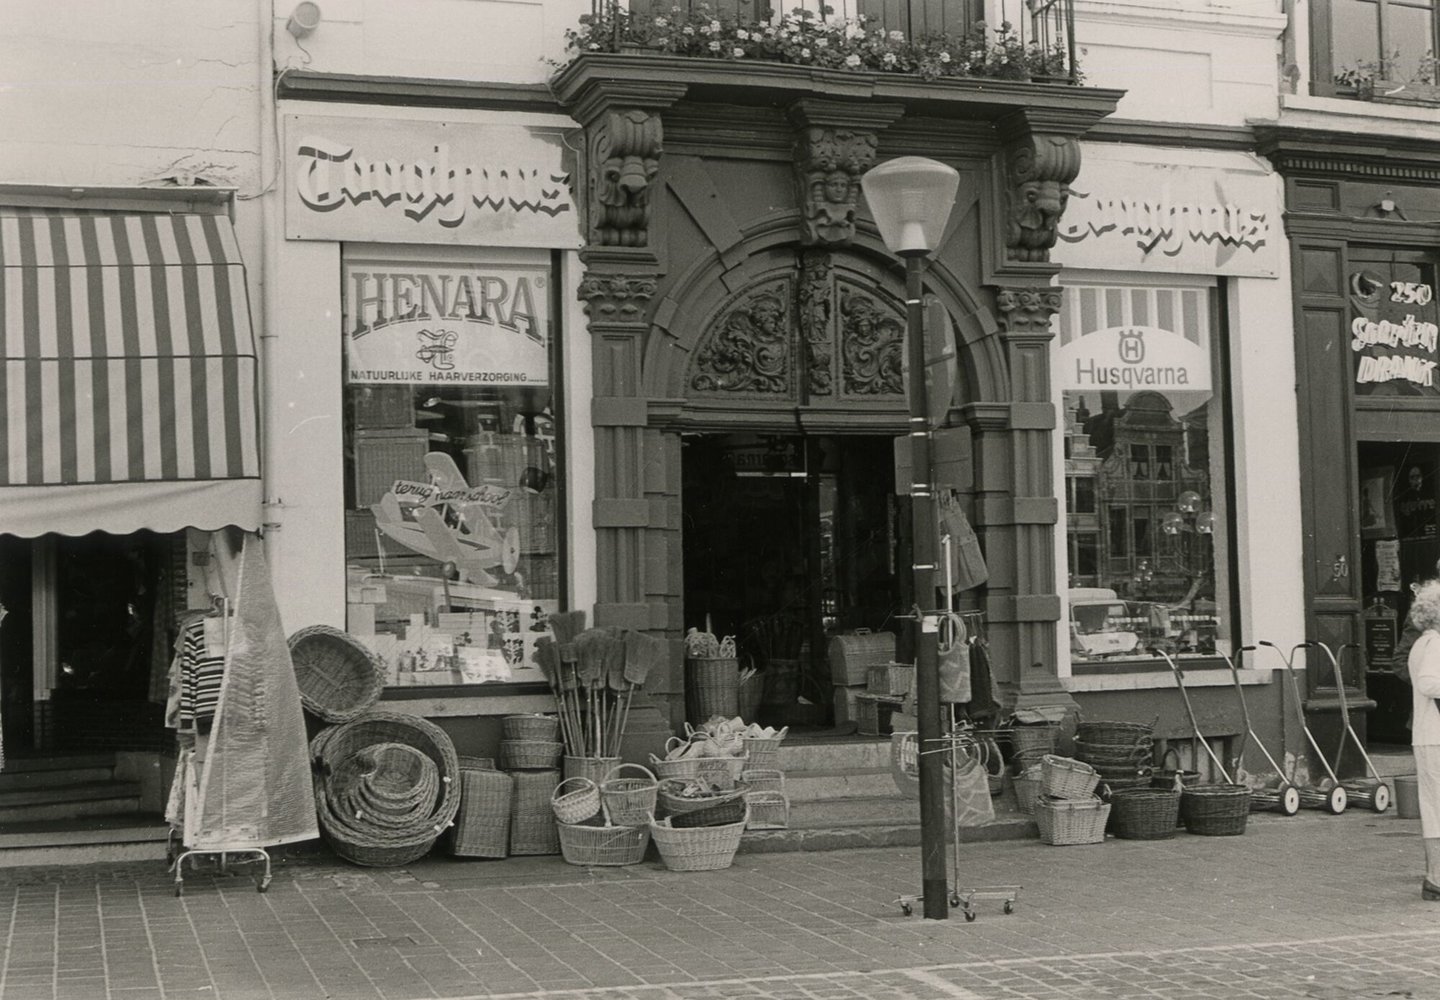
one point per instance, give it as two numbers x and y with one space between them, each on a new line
128 395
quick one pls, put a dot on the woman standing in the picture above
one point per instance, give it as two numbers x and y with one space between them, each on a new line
1425 727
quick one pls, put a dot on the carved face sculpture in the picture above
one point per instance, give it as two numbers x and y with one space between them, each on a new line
837 187
1040 205
625 180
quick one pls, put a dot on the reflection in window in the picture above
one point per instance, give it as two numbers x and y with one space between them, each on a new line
1147 560
1361 40
452 467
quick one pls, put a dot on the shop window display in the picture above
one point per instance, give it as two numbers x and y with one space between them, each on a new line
1145 474
453 547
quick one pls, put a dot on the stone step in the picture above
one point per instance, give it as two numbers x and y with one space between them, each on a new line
11 781
86 799
61 762
1007 826
834 755
807 786
859 810
87 840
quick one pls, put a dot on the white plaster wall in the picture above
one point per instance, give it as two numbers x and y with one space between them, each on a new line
127 94
505 41
1211 62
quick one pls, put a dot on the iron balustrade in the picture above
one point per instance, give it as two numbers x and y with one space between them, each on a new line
1047 25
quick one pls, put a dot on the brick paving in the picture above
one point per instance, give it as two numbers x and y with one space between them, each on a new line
1311 907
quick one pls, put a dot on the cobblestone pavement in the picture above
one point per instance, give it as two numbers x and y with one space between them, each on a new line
1310 907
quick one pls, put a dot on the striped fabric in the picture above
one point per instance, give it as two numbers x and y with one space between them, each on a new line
127 351
1181 310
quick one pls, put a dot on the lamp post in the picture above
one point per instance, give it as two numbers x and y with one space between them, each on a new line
911 198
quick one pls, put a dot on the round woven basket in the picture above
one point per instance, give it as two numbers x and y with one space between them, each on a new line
530 727
1113 755
1215 810
1144 813
575 805
698 849
712 687
388 784
629 801
1027 789
338 676
1067 778
530 755
1115 732
671 801
764 751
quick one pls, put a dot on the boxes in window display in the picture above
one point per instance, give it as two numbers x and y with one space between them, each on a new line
501 459
383 406
383 456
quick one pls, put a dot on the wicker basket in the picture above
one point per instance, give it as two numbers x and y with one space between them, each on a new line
699 849
629 801
852 655
1027 789
764 751
534 835
1144 813
720 814
1215 810
339 678
477 763
890 678
1067 778
545 728
1108 731
1028 743
719 771
482 825
577 804
530 755
1109 786
607 846
1114 754
533 791
712 687
768 810
1071 821
594 768
747 697
873 712
670 800
388 785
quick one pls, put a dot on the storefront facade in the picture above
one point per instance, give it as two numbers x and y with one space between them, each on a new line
748 324
424 396
1170 379
1360 220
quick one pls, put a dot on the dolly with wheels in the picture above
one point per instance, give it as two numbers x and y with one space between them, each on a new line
1330 796
1371 792
1194 723
1283 797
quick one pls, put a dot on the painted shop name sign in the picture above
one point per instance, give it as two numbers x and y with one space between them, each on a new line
1194 217
419 181
1129 358
1410 333
414 494
484 326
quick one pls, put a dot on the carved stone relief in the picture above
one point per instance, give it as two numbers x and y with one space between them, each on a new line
829 163
1027 310
749 349
616 297
625 153
1041 168
872 345
816 326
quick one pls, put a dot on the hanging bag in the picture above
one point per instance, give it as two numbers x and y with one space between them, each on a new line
970 786
967 562
953 651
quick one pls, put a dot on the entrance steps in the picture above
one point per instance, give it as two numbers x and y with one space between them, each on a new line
73 810
842 795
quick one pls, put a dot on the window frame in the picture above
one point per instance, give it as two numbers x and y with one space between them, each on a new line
1322 53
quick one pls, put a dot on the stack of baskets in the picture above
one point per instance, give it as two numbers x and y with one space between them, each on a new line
765 779
530 743
606 824
1029 743
1121 752
1068 811
386 786
703 824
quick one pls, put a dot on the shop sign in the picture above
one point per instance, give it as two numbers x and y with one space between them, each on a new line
413 181
1393 335
1126 213
484 325
1132 358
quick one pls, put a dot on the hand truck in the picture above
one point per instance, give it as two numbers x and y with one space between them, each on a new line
1283 796
1330 796
1371 792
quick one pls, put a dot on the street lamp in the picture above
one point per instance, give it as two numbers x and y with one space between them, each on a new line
911 198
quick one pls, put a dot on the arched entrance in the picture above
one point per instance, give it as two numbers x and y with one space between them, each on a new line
785 389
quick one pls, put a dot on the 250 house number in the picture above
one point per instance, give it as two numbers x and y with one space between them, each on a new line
1411 293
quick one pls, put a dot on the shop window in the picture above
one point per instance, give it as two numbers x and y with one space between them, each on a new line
1082 495
452 532
1141 383
1357 42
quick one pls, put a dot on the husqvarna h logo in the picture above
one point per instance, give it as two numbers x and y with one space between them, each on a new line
1132 346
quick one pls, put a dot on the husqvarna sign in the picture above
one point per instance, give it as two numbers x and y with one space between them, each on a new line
1130 358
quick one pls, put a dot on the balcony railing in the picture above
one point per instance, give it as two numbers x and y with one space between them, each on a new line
1038 26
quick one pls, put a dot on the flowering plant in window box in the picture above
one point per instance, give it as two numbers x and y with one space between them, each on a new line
804 38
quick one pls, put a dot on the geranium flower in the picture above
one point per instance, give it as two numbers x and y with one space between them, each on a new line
889 59
660 22
714 46
822 42
804 53
897 36
852 60
944 57
737 52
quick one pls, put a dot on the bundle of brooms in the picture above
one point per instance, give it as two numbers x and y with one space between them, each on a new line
593 674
